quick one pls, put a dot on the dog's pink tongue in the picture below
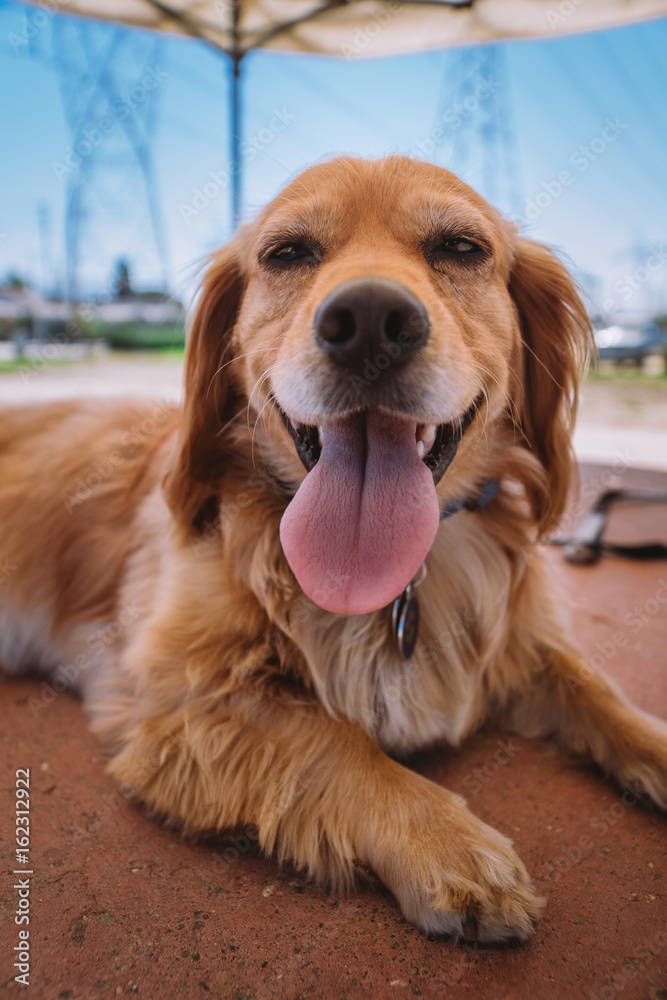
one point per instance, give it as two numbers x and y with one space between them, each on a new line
364 518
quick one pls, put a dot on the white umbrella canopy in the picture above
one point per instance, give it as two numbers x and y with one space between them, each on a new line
351 28
354 29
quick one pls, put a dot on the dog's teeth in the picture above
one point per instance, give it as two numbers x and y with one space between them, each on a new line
320 434
425 437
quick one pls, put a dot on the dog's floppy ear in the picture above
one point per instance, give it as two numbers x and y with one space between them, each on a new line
557 338
212 398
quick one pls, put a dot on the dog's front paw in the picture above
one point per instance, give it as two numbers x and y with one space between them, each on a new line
642 764
453 874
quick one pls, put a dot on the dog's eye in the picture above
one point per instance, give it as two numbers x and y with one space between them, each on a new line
291 253
460 246
459 250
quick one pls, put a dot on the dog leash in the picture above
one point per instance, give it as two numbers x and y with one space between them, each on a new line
587 545
405 609
584 548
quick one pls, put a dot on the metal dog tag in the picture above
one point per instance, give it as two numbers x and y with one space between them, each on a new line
407 626
405 617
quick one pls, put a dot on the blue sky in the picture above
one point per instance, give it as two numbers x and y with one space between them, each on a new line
590 108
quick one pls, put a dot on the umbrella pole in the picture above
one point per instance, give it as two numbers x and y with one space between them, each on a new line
235 148
235 137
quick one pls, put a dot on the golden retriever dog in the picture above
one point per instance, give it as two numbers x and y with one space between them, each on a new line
233 586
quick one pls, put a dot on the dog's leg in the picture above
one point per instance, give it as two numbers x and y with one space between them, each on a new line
323 795
585 713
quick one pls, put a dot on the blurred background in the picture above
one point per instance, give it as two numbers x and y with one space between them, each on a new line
117 180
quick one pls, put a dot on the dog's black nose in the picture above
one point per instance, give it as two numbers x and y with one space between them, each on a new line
372 320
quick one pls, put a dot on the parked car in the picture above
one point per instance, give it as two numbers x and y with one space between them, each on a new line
629 342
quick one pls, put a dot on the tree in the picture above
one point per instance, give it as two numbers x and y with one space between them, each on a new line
122 280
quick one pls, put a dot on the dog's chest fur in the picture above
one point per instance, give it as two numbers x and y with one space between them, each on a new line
437 695
352 663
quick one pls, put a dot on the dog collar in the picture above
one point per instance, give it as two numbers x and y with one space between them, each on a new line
487 493
405 609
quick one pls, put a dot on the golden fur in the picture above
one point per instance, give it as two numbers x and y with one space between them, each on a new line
144 565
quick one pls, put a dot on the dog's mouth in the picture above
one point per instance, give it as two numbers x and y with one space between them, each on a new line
367 513
436 444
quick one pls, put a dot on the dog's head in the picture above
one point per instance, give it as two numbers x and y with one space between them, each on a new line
378 323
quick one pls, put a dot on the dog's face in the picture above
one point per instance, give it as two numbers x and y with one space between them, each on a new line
381 317
371 285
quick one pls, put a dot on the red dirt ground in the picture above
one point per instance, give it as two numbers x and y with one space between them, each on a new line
122 907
